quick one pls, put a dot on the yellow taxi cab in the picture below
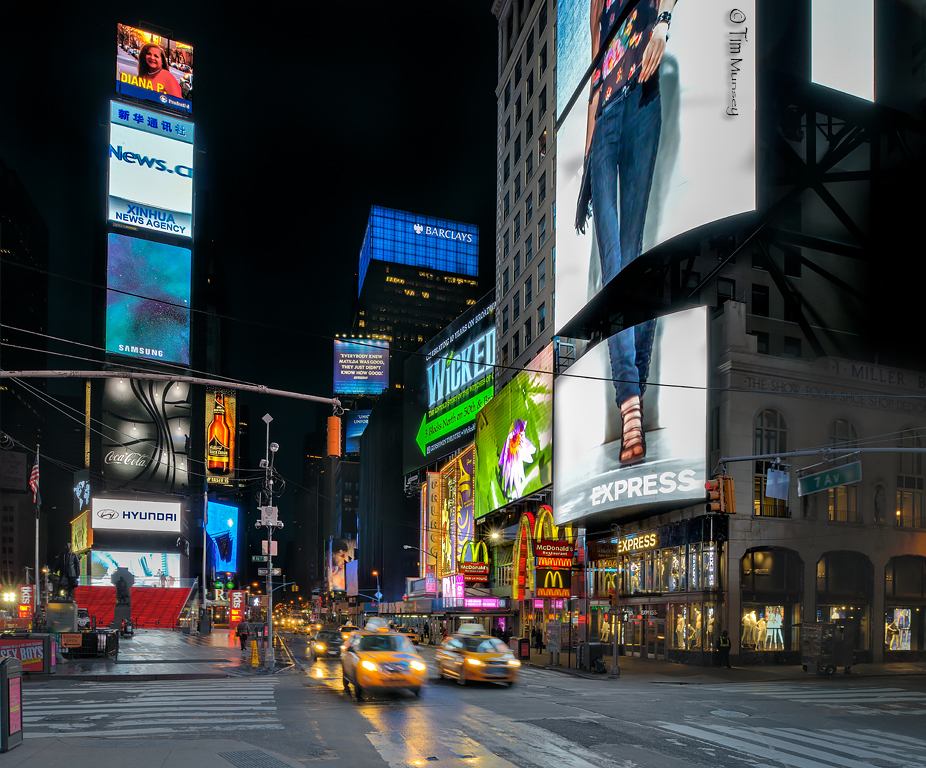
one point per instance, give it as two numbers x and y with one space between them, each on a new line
376 658
470 654
346 630
410 633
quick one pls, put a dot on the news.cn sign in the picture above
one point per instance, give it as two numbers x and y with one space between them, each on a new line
237 606
553 577
135 515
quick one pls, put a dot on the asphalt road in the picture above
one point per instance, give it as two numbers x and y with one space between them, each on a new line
548 719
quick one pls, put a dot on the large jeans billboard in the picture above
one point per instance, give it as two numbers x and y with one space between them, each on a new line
660 141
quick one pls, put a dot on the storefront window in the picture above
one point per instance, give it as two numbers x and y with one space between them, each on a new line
905 604
768 627
904 629
694 566
709 575
686 626
771 590
632 566
674 571
844 591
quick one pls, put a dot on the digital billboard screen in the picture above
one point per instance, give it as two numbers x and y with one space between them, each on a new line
145 435
842 46
148 299
221 435
154 68
355 424
340 554
222 531
150 569
150 171
598 465
446 384
644 155
109 514
514 437
361 366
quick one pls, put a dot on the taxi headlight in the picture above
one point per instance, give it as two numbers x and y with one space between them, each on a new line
514 663
475 662
419 666
368 665
319 647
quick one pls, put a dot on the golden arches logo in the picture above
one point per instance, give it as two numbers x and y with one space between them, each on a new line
545 528
553 579
474 547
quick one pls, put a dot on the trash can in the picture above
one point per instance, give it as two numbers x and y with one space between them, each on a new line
524 648
11 707
595 652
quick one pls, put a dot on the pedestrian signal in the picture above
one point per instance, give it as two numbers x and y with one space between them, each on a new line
715 495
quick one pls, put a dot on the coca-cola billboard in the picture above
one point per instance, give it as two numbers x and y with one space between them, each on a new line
146 434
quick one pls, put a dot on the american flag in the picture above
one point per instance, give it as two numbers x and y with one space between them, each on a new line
34 482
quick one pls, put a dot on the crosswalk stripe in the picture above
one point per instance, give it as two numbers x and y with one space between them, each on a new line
906 739
737 744
884 746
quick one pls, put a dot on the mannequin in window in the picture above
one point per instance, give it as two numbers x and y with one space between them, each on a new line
774 637
680 632
892 635
749 629
761 633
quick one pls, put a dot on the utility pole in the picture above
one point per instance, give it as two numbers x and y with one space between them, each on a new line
268 520
205 550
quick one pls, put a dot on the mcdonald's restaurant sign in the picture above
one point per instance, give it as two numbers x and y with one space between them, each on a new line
554 554
550 583
474 561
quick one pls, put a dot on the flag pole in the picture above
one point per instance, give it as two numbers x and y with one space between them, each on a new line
35 578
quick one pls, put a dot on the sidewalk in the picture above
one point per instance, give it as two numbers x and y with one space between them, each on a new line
652 670
159 654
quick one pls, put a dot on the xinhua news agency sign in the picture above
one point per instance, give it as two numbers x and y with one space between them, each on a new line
831 478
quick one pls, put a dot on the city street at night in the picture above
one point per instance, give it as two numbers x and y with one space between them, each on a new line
669 717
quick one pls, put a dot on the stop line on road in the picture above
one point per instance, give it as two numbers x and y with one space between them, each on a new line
802 748
127 709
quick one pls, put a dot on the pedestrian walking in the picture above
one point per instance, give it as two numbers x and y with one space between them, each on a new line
242 632
724 646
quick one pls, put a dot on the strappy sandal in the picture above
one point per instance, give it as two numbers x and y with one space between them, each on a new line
632 434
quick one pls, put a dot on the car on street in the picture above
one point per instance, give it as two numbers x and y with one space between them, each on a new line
471 655
327 643
410 633
378 659
346 630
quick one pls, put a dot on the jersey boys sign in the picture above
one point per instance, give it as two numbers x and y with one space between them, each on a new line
135 515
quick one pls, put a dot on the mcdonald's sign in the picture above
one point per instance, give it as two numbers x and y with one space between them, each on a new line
554 554
552 583
471 565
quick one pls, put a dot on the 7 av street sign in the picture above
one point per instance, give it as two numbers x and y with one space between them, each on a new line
831 478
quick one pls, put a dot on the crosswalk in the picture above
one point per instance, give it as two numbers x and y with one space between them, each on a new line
803 748
883 700
131 709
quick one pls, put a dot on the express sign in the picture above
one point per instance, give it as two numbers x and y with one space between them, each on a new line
135 515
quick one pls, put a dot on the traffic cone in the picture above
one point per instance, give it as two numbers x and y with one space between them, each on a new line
254 662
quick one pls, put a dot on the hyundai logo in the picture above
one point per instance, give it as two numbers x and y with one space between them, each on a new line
106 514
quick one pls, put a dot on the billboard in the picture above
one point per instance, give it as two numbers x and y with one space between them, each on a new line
148 299
81 533
842 46
514 437
351 580
150 171
150 569
447 489
221 435
222 533
465 526
340 553
430 523
355 424
649 160
146 430
154 68
446 384
588 472
237 607
361 366
135 515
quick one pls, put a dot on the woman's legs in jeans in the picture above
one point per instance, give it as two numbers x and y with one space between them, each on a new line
624 152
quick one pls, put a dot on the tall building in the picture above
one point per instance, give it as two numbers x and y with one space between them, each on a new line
416 275
525 246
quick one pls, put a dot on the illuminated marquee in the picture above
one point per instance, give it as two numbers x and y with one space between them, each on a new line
554 585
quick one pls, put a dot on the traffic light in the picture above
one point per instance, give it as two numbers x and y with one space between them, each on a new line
611 600
729 495
715 495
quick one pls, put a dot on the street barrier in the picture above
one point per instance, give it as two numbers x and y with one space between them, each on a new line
11 708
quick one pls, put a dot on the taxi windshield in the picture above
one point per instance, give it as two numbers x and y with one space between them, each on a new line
384 643
328 635
484 645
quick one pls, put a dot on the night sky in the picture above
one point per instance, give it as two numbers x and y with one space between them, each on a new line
304 118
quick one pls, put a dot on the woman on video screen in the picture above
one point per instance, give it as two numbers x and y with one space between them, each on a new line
152 66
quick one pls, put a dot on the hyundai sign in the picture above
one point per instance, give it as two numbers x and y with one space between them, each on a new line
150 171
135 515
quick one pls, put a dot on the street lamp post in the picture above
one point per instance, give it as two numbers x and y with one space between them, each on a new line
270 522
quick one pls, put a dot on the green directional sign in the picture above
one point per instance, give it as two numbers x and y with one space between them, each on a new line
830 478
464 413
258 558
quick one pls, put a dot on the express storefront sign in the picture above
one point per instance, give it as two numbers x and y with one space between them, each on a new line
608 550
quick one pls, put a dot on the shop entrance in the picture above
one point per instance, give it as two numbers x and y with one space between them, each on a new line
655 638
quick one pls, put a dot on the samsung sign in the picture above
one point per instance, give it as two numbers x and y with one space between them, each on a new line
133 515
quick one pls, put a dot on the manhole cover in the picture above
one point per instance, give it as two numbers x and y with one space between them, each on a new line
252 758
727 713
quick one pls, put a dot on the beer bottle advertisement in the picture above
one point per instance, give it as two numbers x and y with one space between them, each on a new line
220 435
